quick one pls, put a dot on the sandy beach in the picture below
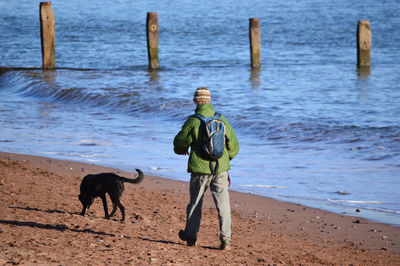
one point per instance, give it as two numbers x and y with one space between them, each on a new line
40 224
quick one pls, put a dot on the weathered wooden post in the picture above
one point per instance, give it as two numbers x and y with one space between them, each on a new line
152 39
47 35
255 48
363 44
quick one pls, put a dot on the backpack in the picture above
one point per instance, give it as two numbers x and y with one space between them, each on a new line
213 144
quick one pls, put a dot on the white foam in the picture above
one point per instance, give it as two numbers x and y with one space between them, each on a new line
159 169
359 201
263 186
51 153
87 155
91 160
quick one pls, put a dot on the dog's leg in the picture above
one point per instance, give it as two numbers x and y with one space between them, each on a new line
83 210
103 198
121 207
114 209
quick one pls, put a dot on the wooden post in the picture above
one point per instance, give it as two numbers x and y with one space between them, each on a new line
152 39
47 35
363 44
255 78
255 48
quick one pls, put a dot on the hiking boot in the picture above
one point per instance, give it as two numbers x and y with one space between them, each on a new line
190 242
225 245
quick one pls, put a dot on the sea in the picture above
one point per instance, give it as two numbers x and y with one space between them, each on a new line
313 128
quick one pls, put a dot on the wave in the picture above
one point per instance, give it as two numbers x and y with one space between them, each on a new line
123 100
90 142
117 92
372 143
6 140
314 131
340 192
384 210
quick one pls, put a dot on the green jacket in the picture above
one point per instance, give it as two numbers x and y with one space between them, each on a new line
189 137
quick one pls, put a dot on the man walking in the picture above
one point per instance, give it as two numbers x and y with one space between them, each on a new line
205 172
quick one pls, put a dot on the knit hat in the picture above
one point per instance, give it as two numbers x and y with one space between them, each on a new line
202 95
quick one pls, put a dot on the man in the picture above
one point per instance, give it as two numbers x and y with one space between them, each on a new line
201 171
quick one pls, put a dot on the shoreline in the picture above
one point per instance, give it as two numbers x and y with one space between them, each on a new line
265 230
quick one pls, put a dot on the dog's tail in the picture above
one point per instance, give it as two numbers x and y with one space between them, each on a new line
136 180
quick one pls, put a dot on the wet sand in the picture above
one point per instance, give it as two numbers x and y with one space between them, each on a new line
40 224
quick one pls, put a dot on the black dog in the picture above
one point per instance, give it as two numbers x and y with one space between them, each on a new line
98 185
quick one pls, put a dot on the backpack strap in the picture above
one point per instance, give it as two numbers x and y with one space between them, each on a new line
203 118
214 170
199 116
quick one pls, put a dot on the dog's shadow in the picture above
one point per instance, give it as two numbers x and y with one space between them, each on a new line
172 242
39 210
53 211
58 227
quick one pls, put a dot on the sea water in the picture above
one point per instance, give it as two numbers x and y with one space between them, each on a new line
312 128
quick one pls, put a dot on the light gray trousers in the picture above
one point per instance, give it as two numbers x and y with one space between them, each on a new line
219 188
